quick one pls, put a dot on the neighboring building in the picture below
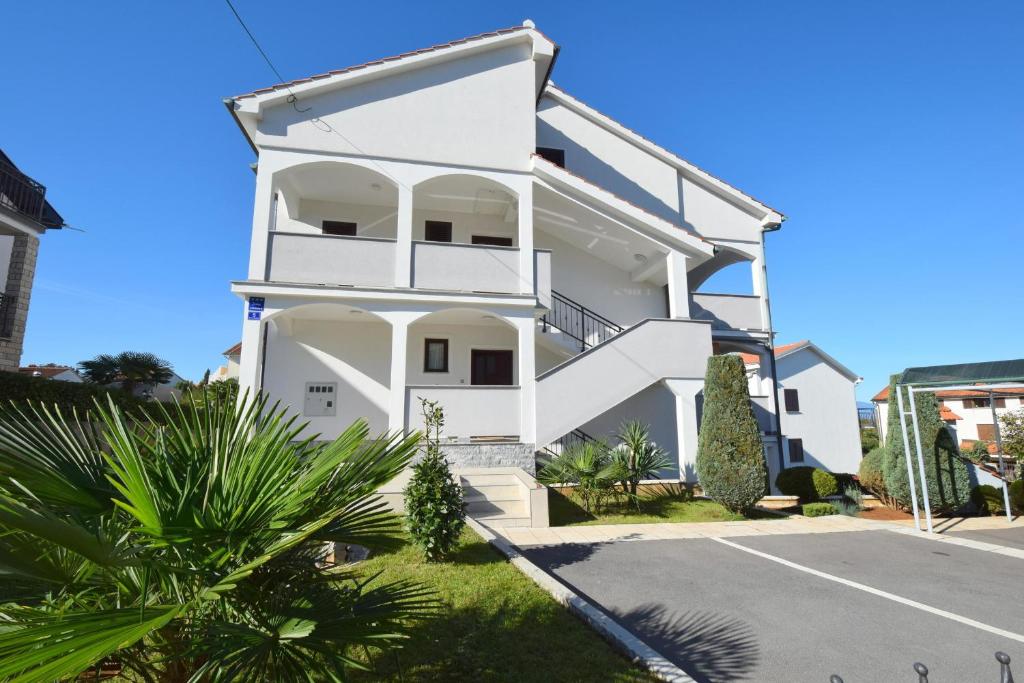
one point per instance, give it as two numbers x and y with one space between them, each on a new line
61 373
969 413
230 369
447 224
24 216
819 406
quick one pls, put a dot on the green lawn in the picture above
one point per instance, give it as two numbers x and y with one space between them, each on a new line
497 625
663 505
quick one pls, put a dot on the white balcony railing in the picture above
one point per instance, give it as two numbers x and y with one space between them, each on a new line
330 259
465 267
468 410
727 311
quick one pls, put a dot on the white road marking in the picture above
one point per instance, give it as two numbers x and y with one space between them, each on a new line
875 591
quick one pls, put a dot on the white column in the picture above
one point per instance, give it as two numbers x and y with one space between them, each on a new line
685 392
526 283
399 348
526 327
261 221
678 285
403 248
250 365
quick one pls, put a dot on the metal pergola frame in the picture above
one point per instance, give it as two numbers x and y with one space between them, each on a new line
932 387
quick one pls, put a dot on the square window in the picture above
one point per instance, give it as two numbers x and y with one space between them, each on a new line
435 355
792 399
437 231
339 228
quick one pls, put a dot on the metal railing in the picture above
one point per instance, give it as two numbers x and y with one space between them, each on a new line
21 193
1005 676
565 442
578 322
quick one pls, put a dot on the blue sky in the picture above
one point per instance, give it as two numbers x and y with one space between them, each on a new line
890 133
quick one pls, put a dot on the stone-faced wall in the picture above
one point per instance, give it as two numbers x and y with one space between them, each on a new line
17 293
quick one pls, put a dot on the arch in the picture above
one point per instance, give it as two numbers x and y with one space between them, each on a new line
325 310
462 315
469 333
724 258
474 206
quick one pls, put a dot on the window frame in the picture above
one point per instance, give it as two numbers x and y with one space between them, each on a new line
336 225
427 342
428 225
800 447
791 406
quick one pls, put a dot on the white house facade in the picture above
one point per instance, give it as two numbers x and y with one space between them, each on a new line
971 414
449 225
818 407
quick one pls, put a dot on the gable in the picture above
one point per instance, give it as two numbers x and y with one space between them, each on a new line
810 358
476 110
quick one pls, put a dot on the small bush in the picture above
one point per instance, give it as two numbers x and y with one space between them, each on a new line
987 499
871 476
797 481
1017 496
978 452
818 509
434 508
825 483
869 440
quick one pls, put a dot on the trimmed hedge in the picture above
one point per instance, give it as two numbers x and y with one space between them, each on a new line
1017 496
818 509
987 499
870 473
806 482
67 396
730 456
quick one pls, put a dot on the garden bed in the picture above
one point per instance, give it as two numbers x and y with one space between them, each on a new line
658 504
496 625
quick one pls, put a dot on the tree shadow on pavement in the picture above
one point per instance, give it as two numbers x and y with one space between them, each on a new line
712 648
551 557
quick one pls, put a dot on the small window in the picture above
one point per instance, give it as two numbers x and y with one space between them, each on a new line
435 355
986 432
438 231
792 400
796 450
1000 403
492 241
340 228
555 156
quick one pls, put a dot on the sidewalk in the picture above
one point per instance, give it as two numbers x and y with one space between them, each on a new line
652 532
944 524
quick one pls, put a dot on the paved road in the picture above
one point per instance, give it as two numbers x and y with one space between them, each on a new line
746 609
1011 538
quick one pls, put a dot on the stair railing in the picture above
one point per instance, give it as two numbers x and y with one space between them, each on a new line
578 322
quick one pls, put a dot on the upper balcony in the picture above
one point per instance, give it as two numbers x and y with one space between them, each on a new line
25 196
338 224
727 311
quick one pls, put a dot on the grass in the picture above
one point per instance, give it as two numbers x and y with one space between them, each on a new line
496 625
657 504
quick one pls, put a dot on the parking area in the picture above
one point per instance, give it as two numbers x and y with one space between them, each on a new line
799 607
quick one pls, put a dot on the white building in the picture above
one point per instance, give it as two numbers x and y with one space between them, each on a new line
817 395
969 413
229 370
447 224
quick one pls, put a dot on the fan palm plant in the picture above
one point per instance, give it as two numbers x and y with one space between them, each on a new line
128 368
192 547
588 468
638 457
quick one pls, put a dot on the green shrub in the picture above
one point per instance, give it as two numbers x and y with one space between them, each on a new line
589 469
949 486
797 481
978 452
1017 496
870 473
67 396
818 509
730 456
434 508
869 440
825 483
987 500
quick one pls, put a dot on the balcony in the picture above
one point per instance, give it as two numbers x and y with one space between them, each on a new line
332 260
727 311
470 411
25 196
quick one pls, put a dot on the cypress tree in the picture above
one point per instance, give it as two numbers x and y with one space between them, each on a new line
949 485
730 455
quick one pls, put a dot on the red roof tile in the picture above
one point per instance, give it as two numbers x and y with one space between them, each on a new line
49 370
883 395
234 350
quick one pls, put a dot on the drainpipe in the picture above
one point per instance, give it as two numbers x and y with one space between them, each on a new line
771 348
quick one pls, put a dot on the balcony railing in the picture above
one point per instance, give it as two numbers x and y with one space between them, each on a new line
727 311
20 193
331 260
578 322
465 267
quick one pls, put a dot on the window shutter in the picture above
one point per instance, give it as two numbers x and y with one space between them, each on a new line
792 398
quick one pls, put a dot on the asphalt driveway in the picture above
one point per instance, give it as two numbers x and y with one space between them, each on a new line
865 605
1011 538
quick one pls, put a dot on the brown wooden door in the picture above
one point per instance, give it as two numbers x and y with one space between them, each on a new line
491 367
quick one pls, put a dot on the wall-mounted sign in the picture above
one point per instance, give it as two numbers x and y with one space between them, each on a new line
256 303
254 315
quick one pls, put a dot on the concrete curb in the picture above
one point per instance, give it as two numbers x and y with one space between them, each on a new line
638 651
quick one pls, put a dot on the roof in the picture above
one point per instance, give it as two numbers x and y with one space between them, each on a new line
234 350
946 414
968 444
807 345
27 203
696 173
985 372
883 395
49 370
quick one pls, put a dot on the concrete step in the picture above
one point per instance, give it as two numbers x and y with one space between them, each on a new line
493 492
496 521
497 507
478 480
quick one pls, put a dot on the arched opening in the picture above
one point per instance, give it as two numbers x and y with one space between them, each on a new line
729 272
335 198
465 209
331 362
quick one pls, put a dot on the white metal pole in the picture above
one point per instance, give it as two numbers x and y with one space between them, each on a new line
920 460
1006 501
906 453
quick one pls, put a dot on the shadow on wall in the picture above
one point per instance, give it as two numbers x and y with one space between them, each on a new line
608 176
710 647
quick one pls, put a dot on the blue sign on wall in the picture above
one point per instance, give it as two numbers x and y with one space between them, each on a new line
256 304
255 315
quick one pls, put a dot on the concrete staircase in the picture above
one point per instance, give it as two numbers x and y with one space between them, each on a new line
504 497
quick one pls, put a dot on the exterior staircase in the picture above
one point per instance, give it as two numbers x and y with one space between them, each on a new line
504 497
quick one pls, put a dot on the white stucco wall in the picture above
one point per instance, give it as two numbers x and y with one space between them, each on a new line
465 225
600 286
371 221
475 111
827 420
461 340
355 355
